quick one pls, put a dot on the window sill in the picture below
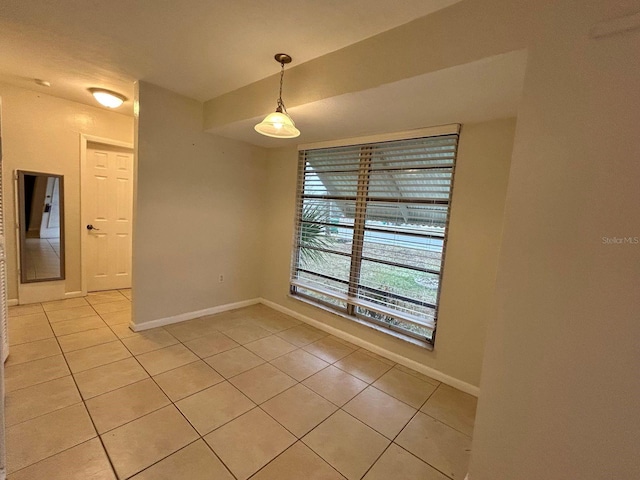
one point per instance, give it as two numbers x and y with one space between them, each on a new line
386 331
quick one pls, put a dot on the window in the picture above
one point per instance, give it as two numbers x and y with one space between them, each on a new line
371 227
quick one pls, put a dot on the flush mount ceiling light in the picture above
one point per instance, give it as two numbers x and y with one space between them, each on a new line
108 98
279 124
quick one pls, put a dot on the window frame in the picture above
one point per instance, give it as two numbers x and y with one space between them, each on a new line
350 303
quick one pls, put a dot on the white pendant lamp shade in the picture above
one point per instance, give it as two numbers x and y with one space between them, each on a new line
107 98
278 125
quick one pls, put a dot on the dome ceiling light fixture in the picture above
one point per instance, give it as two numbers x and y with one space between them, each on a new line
279 124
108 98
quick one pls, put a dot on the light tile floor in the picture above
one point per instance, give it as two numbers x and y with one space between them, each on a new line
42 258
250 393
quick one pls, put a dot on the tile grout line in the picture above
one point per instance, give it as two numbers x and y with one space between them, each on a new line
410 420
225 379
337 406
259 406
298 439
393 440
44 414
179 450
172 403
423 461
61 451
84 403
256 405
200 436
148 413
56 336
40 383
446 424
83 400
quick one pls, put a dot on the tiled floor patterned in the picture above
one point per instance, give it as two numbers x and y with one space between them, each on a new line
249 393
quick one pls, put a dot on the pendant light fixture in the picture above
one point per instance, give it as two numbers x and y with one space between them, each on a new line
279 124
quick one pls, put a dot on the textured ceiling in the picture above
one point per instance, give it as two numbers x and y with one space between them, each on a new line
486 89
198 48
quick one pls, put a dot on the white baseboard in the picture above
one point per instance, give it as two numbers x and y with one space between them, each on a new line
75 294
418 367
431 372
161 322
12 302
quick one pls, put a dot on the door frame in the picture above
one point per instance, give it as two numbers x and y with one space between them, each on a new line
84 140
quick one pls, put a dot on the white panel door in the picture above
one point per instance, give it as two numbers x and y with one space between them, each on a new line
108 207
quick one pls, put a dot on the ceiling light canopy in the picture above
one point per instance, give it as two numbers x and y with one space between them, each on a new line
108 98
279 124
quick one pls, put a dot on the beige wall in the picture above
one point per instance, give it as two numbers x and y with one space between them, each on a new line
42 133
561 382
198 212
474 240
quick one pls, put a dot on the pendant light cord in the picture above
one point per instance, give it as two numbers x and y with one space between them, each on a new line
281 106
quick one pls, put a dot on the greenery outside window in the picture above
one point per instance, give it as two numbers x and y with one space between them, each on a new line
371 227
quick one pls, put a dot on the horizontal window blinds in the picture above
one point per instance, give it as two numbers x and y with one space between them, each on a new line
370 229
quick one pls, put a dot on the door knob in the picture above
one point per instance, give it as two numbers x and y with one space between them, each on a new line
91 227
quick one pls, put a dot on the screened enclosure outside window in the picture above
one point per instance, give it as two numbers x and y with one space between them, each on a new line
371 227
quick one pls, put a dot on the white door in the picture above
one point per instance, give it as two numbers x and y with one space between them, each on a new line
50 226
108 206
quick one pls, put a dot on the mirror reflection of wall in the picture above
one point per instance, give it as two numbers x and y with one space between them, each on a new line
41 226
